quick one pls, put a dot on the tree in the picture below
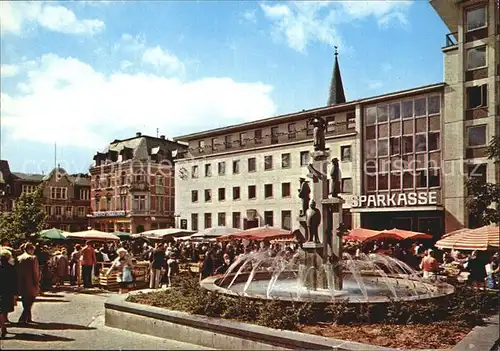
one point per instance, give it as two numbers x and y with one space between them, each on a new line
483 200
27 219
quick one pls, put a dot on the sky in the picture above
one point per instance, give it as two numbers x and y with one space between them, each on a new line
80 74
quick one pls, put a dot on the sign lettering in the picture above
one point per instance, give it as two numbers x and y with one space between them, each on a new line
109 214
396 200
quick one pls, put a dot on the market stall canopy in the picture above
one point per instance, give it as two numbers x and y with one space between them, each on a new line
484 238
365 235
407 234
164 233
122 235
93 235
259 234
54 234
215 232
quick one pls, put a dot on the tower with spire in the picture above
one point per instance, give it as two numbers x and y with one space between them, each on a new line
336 95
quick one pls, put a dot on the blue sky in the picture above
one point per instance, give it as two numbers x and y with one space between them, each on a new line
84 73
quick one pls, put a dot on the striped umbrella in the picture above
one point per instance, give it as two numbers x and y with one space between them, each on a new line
484 238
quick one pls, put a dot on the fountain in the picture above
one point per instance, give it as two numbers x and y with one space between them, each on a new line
320 271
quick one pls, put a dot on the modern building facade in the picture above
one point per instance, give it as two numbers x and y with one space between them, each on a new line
404 156
133 184
471 99
66 197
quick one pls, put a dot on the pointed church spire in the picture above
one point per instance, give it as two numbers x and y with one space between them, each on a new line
337 95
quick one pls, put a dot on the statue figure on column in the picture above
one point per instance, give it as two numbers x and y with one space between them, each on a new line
336 176
319 125
313 220
304 195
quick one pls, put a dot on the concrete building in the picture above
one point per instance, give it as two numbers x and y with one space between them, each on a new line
133 184
471 99
66 197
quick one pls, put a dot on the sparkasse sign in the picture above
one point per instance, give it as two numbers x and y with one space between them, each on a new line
396 200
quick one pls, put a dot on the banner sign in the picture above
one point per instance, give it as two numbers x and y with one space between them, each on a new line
396 200
109 214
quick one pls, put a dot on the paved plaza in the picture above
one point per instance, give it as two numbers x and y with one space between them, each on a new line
70 320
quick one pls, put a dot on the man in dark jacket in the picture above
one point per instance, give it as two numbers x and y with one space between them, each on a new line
157 263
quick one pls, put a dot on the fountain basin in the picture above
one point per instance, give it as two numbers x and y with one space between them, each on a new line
288 288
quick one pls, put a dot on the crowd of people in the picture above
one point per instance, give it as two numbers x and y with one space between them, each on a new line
31 268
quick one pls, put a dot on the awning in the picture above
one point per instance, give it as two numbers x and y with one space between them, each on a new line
484 238
93 235
54 234
365 235
215 232
259 234
407 234
164 233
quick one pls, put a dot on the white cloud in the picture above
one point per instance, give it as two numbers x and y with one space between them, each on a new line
9 70
15 16
66 100
300 23
163 60
250 16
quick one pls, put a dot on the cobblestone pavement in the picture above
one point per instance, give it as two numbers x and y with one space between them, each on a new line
75 320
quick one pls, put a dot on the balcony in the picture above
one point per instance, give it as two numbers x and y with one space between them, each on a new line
139 186
451 39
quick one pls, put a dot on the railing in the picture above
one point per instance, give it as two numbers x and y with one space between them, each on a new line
451 39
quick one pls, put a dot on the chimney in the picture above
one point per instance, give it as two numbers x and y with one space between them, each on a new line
138 134
162 137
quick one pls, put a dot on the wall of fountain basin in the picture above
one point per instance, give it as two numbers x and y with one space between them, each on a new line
377 289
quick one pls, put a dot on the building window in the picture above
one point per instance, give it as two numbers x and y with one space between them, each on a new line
194 221
268 163
304 158
420 143
395 180
221 167
139 203
434 177
58 193
370 148
28 188
395 145
476 18
258 136
215 143
347 185
221 219
476 58
69 211
275 135
370 116
351 120
208 220
286 160
194 195
97 183
383 181
236 193
81 211
208 170
476 136
434 104
195 172
478 171
243 139
477 96
420 107
407 144
345 153
381 113
383 147
58 211
330 124
407 107
252 192
252 164
201 145
84 194
228 141
434 142
268 191
208 195
421 178
286 220
108 204
285 190
269 218
395 111
291 131
236 167
407 180
222 194
236 220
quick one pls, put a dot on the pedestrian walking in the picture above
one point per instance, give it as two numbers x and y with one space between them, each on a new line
28 281
88 260
8 288
157 263
61 267
74 263
172 268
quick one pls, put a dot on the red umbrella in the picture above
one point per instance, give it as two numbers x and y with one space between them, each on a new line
361 234
259 234
407 234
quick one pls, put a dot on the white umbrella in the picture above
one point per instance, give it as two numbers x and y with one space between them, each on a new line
215 232
165 233
94 235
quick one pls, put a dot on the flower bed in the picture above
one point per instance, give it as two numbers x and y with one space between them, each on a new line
425 324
